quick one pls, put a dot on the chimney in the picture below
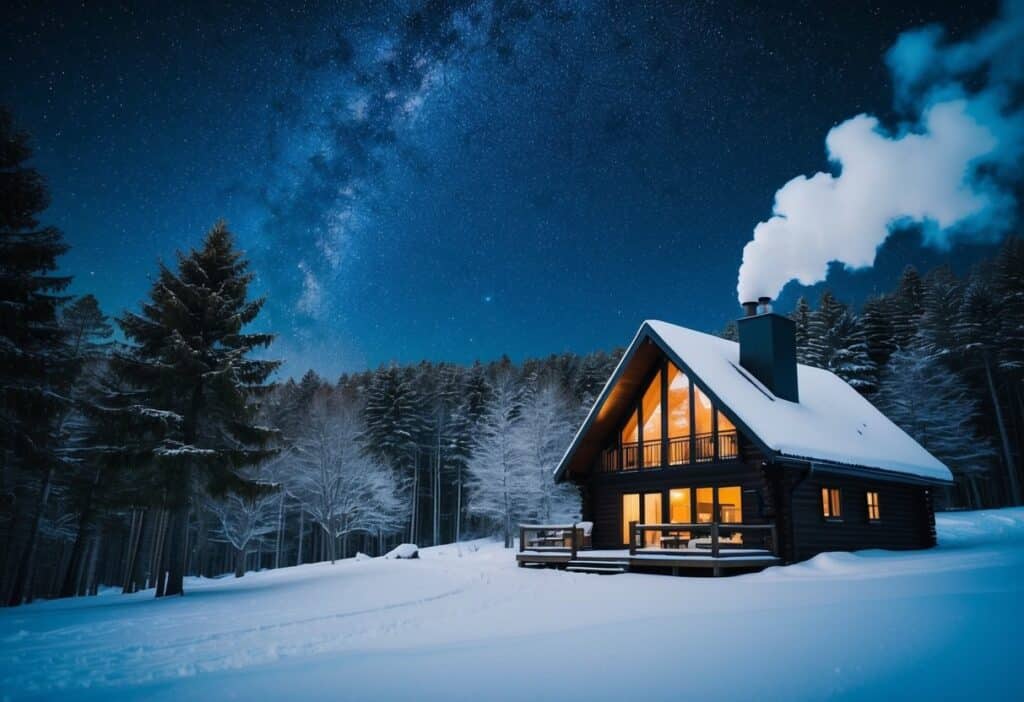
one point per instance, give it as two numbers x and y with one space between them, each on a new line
768 348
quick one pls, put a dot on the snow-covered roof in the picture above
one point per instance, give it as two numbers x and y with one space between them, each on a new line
831 423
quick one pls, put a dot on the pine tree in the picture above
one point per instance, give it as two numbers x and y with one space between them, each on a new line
876 321
394 429
801 317
942 296
190 358
1008 284
820 326
932 404
977 331
907 307
88 340
836 342
34 371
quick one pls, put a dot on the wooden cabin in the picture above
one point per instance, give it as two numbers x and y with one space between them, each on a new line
702 453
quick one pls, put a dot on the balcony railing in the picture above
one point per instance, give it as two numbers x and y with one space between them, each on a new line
630 456
652 454
679 451
728 445
704 447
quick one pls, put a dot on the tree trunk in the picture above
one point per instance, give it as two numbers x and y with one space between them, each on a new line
302 532
239 562
135 531
1011 470
415 496
69 586
22 581
458 503
156 557
177 553
436 522
91 583
280 532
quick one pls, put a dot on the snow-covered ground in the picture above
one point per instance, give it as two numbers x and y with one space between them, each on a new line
463 623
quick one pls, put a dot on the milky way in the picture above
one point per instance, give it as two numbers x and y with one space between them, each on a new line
448 180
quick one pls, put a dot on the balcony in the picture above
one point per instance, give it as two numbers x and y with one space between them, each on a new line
702 448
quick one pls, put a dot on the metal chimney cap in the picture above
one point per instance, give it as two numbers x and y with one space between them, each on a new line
749 308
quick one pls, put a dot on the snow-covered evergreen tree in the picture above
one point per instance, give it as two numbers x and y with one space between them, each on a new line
34 369
977 331
907 306
876 321
189 359
801 317
932 404
836 342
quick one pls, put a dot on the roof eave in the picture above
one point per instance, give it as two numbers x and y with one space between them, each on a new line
863 471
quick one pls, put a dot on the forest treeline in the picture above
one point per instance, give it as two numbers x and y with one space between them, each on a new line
132 463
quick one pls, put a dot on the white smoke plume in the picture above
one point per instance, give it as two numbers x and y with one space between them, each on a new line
949 168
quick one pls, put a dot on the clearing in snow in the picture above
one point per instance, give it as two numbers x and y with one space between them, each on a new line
462 622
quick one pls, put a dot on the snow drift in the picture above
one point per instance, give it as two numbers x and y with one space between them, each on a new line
464 623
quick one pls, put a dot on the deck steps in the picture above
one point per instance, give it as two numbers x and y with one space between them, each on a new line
598 567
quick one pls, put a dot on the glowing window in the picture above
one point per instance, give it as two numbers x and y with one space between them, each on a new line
630 513
631 432
705 505
651 408
873 512
650 412
831 503
702 409
678 403
679 506
730 505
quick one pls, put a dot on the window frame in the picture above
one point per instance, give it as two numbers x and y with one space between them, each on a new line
875 507
828 513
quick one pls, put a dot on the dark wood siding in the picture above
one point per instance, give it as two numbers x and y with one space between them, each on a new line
907 520
603 493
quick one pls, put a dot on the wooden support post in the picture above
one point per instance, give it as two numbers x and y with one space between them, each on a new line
572 542
632 538
522 538
714 542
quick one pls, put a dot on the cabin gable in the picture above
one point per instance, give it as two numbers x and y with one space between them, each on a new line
646 358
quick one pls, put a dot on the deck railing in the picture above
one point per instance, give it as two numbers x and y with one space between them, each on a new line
706 538
557 538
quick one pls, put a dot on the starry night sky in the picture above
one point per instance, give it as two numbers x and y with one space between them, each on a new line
449 181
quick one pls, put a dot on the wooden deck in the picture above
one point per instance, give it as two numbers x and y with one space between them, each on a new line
620 561
564 546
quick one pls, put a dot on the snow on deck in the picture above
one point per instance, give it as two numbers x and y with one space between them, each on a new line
464 623
832 421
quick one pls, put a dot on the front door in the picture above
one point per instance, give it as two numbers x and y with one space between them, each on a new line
642 507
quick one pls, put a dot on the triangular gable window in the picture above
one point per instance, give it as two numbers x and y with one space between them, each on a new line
690 429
